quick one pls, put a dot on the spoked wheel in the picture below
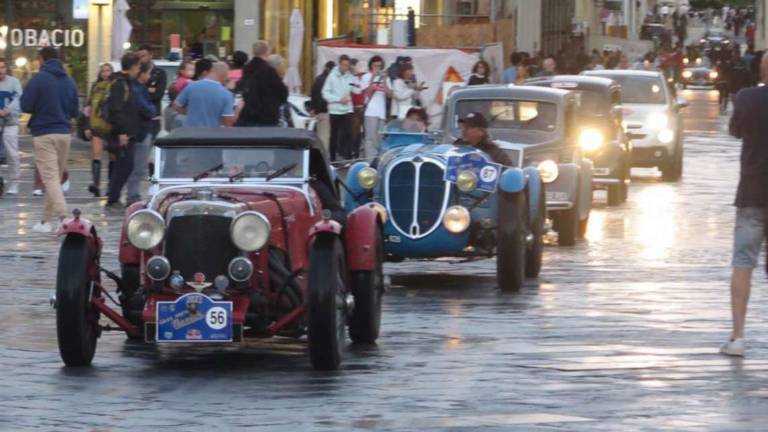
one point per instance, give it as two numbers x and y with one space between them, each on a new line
326 302
511 246
368 288
77 322
536 247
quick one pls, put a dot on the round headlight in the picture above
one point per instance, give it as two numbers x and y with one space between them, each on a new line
713 74
456 219
686 61
158 268
250 231
666 136
548 170
591 139
466 181
367 178
687 74
240 269
657 120
146 229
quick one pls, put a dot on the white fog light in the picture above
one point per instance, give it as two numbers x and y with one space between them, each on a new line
240 269
687 74
666 136
146 229
250 231
548 170
456 219
158 268
591 140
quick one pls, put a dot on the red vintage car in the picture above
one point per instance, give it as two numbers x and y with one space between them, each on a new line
244 237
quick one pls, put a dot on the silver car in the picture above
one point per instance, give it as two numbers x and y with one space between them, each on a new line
652 119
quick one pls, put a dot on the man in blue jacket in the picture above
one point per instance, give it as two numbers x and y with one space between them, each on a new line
51 99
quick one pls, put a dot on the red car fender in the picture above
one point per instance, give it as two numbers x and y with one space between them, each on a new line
128 253
76 225
323 226
360 238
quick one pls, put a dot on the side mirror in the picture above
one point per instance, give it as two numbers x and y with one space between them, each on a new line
681 102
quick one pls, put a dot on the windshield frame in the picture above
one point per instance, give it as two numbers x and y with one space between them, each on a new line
619 78
158 179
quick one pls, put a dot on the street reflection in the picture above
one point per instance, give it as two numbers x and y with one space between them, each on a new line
596 227
655 223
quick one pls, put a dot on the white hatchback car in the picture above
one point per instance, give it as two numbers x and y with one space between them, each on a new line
652 119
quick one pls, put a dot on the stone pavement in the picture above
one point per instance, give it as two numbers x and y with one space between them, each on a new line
619 333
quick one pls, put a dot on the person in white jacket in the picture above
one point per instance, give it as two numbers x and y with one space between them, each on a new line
337 91
405 92
376 89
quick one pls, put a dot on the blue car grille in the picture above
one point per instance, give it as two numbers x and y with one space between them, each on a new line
402 192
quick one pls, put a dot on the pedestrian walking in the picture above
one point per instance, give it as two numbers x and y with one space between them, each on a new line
375 90
319 106
748 123
263 90
156 84
51 99
143 140
98 128
125 120
10 109
207 102
480 72
337 92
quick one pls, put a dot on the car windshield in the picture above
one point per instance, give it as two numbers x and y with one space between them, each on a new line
591 103
637 89
229 162
510 114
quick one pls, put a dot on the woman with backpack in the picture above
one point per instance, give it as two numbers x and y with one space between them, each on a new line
94 129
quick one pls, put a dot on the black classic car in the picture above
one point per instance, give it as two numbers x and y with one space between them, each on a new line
601 134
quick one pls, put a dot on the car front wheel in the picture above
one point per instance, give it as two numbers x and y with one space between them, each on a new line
368 288
536 248
326 302
674 169
511 246
77 322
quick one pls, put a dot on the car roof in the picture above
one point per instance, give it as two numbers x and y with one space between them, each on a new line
543 94
239 137
580 81
623 72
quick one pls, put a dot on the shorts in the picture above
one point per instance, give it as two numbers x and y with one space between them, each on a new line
748 236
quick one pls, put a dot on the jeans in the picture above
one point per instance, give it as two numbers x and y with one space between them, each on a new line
341 125
51 152
372 126
140 169
11 145
748 236
121 171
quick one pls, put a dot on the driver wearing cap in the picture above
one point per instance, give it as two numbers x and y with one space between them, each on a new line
475 133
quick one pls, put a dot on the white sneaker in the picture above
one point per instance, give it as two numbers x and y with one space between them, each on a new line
43 228
733 347
37 192
65 186
13 189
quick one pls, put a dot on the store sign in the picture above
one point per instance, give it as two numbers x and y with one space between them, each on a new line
32 38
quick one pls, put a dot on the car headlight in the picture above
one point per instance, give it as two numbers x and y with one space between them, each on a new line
687 74
548 170
698 61
250 231
367 177
657 120
591 139
713 74
146 229
686 61
666 136
456 219
466 181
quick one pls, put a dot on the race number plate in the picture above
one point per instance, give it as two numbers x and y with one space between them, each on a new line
487 173
194 318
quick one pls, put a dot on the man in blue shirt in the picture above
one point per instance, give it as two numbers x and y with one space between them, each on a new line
510 74
207 102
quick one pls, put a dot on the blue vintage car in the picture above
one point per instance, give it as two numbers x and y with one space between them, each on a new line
443 200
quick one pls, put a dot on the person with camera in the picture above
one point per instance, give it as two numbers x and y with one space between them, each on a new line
375 89
405 91
337 92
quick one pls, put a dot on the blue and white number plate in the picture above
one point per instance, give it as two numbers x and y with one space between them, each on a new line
487 173
194 317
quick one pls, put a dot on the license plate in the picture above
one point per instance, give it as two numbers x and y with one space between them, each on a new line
557 196
601 171
194 317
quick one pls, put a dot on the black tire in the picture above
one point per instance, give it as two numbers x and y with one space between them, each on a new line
510 241
615 194
674 170
76 321
583 225
533 258
567 227
367 287
326 311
